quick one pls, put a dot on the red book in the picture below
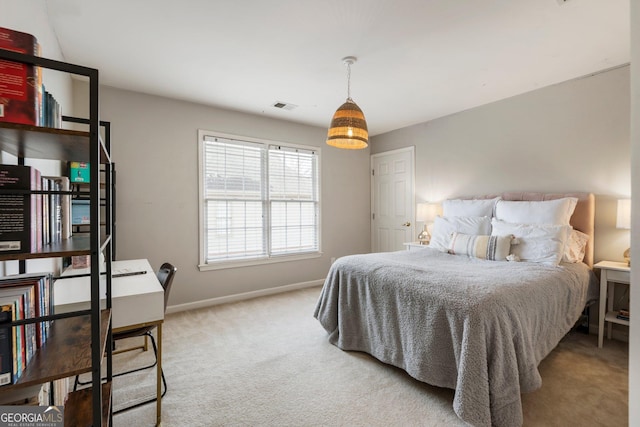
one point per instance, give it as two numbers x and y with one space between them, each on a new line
18 82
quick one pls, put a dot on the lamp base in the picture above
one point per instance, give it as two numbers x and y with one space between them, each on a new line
424 237
627 256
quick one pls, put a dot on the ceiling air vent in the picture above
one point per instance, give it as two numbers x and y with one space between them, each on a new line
284 105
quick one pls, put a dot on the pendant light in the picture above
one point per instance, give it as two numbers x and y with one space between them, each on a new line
348 126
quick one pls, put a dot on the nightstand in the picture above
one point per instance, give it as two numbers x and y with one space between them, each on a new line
414 246
614 272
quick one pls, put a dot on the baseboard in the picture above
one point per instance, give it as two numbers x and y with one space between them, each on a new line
243 296
619 332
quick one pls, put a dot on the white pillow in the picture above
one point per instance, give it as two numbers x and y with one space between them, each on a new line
556 211
494 248
576 246
444 227
470 207
541 243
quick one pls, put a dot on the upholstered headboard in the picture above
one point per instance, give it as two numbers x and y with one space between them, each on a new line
583 218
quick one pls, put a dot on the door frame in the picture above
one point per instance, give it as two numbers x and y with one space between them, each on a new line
412 150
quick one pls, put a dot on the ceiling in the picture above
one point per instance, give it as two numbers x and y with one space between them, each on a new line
417 59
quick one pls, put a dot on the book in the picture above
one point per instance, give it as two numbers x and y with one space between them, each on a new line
7 344
56 212
29 296
623 314
27 310
20 214
18 344
64 204
52 211
79 172
44 185
11 305
39 88
39 285
52 116
18 81
80 212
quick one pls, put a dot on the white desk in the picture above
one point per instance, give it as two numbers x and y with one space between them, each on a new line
136 301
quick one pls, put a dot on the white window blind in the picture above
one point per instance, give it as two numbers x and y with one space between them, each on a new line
259 201
293 200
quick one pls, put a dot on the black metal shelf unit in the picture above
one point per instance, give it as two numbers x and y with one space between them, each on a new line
24 141
81 191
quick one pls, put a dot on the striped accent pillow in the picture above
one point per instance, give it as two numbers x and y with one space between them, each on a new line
494 248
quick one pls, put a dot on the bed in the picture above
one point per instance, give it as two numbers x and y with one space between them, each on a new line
478 326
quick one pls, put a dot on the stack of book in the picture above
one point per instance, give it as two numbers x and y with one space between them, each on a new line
623 314
22 296
23 97
30 220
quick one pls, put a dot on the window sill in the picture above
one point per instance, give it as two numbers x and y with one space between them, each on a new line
262 261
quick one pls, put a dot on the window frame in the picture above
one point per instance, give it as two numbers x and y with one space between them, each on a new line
203 265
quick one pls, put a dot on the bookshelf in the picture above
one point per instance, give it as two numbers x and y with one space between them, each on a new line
78 342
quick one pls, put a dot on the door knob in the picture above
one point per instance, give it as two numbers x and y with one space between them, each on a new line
406 224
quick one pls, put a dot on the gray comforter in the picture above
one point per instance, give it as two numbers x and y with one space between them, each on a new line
479 327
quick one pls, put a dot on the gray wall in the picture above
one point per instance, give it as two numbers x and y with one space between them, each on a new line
154 146
31 17
572 136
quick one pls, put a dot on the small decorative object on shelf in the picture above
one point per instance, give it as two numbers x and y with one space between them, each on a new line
79 172
80 212
80 261
623 314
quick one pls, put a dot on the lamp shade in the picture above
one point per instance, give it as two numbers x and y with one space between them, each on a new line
427 212
623 219
348 127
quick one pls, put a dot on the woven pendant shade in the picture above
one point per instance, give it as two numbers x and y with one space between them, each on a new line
348 127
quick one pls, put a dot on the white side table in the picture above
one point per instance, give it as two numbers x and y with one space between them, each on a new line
615 272
414 245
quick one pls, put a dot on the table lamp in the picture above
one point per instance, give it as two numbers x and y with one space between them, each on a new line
426 213
623 221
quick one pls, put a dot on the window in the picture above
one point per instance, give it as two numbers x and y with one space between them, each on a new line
259 201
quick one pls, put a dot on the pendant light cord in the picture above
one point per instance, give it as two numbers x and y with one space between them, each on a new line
348 79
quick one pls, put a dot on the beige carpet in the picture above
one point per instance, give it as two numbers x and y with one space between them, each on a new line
267 362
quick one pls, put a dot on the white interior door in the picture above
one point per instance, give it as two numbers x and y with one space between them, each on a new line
392 200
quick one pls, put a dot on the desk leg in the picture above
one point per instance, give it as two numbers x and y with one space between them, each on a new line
602 306
159 378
